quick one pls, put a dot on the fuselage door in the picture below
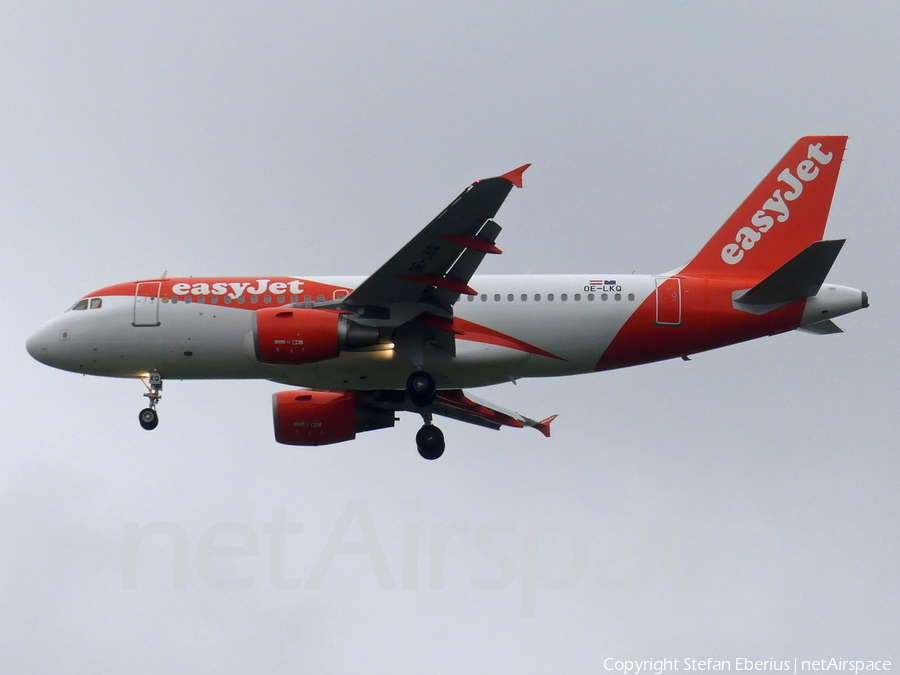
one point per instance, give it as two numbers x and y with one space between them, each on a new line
146 303
668 301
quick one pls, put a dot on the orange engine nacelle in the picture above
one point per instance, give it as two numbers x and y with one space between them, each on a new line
285 335
324 417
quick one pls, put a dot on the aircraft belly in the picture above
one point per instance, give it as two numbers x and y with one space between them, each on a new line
475 365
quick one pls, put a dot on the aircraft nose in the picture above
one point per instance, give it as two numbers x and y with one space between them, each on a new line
38 345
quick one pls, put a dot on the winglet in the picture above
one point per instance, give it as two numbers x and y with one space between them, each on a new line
544 425
515 176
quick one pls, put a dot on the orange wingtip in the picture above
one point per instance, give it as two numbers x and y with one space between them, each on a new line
515 176
544 425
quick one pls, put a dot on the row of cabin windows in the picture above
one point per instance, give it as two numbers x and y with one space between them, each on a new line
254 299
88 303
96 303
550 297
281 299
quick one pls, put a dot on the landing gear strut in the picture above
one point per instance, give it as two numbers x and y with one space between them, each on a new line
430 441
148 417
421 388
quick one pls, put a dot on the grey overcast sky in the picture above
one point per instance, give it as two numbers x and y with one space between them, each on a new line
741 505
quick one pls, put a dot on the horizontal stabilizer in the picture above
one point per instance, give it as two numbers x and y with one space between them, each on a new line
800 277
822 328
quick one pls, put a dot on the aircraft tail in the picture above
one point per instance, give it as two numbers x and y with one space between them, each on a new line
800 277
784 214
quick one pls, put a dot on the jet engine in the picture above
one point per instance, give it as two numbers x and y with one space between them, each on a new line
305 417
294 336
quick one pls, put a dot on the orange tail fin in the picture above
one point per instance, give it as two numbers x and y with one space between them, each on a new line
784 214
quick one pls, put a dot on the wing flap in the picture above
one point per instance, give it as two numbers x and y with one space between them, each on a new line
456 404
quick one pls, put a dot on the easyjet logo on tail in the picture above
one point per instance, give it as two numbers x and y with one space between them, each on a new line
776 207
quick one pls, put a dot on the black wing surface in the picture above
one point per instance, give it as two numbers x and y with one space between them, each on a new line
436 265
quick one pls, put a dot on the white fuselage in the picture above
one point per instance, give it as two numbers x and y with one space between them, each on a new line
516 326
559 314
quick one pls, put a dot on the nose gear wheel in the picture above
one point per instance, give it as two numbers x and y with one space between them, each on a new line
148 417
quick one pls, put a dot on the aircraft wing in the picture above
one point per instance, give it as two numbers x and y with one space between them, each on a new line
455 404
435 266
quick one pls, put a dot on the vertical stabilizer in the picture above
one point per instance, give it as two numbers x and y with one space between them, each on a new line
784 214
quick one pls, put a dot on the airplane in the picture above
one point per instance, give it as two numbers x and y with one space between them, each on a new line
423 329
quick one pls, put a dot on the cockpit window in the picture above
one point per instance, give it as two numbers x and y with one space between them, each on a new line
81 304
96 303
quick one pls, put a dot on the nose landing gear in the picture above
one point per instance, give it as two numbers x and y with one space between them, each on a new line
148 417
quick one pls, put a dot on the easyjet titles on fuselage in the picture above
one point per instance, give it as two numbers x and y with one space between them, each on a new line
238 288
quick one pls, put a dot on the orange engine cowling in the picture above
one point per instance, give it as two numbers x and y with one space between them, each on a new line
322 417
286 335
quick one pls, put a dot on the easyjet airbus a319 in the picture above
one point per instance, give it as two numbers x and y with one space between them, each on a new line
422 329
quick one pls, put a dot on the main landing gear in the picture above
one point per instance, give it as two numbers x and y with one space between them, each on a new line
421 390
430 440
148 417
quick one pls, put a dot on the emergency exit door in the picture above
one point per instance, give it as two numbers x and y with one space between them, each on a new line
668 301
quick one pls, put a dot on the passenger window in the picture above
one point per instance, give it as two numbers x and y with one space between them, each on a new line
295 298
227 299
307 298
280 299
81 304
320 298
214 300
187 299
590 296
577 297
484 297
510 297
241 300
267 299
496 297
550 297
631 296
471 298
96 303
604 297
254 299
524 297
564 297
175 300
618 296
537 297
